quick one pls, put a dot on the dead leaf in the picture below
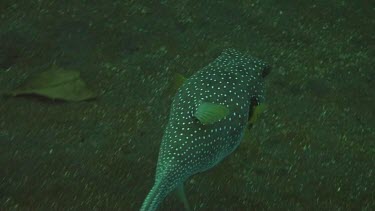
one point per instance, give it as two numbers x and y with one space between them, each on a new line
56 83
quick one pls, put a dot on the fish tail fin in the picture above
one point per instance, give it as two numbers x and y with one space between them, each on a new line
153 198
157 194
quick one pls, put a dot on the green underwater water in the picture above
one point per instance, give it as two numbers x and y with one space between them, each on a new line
313 148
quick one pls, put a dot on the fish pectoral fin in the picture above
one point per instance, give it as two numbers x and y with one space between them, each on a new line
256 111
182 196
209 113
246 134
178 81
254 114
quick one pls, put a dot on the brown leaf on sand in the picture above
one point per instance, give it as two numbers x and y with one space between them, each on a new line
56 83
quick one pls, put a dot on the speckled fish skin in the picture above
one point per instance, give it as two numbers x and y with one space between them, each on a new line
188 147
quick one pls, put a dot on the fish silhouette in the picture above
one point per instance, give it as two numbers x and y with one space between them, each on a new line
207 120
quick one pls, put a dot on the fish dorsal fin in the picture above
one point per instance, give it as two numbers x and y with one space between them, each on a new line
182 196
209 113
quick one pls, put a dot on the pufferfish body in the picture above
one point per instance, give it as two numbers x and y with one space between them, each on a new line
207 120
